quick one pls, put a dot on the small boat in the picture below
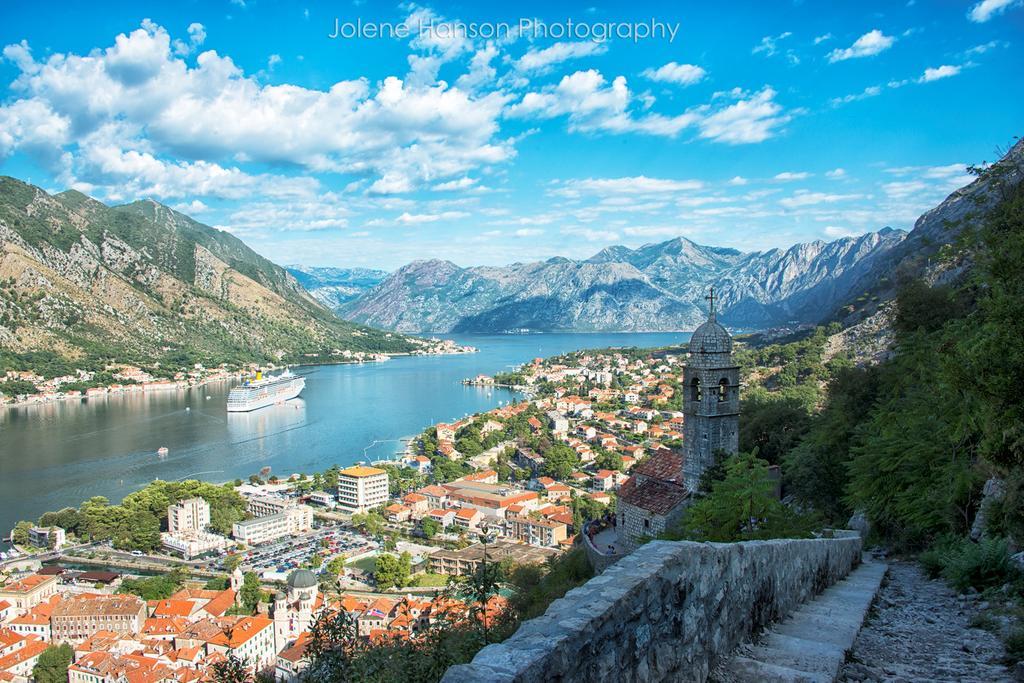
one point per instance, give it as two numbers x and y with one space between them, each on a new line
187 409
162 451
265 471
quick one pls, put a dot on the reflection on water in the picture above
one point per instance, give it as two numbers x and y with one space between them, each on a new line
59 454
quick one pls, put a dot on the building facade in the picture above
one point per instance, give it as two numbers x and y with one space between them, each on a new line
75 619
361 489
192 514
294 520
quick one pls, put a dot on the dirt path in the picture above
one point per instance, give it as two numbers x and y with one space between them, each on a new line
918 631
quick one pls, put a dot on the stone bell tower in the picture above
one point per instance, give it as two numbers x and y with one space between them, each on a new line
711 401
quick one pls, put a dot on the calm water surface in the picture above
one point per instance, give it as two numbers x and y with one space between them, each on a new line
60 454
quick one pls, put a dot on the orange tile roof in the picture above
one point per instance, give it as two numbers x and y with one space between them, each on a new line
30 650
221 603
28 584
174 608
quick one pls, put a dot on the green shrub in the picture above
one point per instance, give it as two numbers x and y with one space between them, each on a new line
1014 644
934 560
978 565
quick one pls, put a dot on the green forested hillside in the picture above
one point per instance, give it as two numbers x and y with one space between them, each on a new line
912 440
142 283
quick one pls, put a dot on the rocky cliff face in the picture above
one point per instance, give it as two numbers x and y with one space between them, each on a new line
140 281
334 287
656 287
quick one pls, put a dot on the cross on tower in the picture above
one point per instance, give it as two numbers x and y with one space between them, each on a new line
711 305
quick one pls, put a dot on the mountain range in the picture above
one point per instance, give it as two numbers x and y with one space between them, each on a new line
654 287
143 282
334 287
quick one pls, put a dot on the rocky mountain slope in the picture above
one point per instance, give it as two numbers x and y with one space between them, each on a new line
334 287
143 282
930 250
655 287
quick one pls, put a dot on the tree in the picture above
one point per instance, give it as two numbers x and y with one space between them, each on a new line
742 506
608 460
52 665
251 592
231 670
232 561
391 571
20 533
560 461
430 527
370 522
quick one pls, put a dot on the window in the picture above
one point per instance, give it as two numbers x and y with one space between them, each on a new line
695 389
723 389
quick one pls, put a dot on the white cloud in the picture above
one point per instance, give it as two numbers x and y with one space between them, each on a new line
592 104
528 232
417 218
480 70
822 38
836 174
753 119
806 198
148 101
463 183
540 60
769 44
870 91
196 37
635 185
837 232
273 61
934 74
681 74
738 180
986 9
787 176
869 44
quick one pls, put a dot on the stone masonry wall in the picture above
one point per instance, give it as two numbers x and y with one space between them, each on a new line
665 612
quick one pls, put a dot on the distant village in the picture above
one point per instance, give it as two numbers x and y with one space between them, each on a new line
32 387
517 485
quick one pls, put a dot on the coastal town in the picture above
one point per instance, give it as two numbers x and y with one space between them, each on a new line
50 380
385 543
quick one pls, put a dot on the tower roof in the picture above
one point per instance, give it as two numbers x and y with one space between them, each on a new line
711 336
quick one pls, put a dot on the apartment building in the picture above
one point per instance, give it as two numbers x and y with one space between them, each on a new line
361 488
191 514
75 619
294 520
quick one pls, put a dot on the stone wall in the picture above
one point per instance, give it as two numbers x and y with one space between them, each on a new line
665 612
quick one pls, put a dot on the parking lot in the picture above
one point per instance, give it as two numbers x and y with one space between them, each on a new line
287 554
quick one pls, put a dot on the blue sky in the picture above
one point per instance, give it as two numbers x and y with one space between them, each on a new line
757 126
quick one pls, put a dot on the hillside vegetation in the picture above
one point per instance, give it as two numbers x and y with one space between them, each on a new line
141 283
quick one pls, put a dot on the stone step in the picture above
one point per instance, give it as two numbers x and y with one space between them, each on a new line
746 669
811 644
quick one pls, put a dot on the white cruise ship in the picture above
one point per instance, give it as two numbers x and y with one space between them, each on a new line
261 392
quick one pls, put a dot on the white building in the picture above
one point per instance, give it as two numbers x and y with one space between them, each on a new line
294 520
362 488
192 514
323 498
264 506
47 537
189 544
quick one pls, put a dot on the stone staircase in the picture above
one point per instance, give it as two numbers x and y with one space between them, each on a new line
810 645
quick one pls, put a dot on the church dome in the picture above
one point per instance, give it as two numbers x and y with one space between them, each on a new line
711 337
302 578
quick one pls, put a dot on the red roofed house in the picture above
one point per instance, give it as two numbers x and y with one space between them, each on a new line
653 500
21 660
442 517
468 518
397 513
